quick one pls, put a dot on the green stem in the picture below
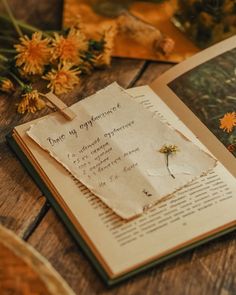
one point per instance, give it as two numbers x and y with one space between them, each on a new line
3 50
167 164
3 58
30 28
12 18
22 85
53 31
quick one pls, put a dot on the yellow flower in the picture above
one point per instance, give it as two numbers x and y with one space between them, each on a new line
68 49
31 102
168 149
63 79
6 85
228 122
33 54
104 58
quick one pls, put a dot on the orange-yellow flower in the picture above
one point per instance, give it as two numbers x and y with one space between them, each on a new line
6 85
68 49
31 102
228 122
63 79
33 54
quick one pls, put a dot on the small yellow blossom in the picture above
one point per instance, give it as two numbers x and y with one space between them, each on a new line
104 57
168 149
228 122
68 49
6 85
63 79
31 102
33 54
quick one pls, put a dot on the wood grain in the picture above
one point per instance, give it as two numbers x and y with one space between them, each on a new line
21 202
152 71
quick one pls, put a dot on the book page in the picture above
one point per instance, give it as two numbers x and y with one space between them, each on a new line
195 212
202 91
124 155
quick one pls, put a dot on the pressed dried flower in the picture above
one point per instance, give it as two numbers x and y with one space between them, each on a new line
104 57
6 85
169 150
33 54
63 79
69 49
228 122
31 102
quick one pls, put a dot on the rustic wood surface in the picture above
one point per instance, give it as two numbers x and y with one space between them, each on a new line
207 270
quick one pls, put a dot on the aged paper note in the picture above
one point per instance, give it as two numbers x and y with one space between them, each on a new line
112 147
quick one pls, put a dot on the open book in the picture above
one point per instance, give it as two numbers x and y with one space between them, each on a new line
196 212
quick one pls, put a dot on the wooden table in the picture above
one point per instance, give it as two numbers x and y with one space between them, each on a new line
209 269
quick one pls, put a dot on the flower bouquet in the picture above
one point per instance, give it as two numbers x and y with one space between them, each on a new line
59 58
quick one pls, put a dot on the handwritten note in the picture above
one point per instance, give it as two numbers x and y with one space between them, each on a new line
112 147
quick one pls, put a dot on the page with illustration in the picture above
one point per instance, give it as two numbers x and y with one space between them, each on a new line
206 84
202 208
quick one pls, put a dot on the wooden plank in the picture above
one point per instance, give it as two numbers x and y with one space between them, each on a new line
21 202
153 71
